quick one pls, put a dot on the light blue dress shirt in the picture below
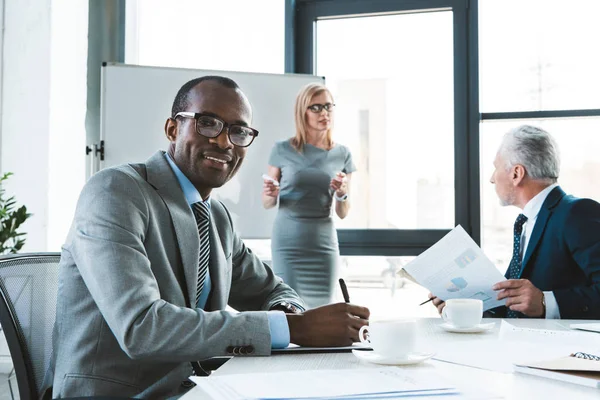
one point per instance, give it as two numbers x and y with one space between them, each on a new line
278 326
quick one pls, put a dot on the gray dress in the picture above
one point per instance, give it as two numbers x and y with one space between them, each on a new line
304 243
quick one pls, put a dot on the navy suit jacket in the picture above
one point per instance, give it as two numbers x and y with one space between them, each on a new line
563 255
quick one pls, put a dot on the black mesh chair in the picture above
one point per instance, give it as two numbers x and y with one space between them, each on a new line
28 285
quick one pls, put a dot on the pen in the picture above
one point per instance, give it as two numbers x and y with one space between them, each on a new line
427 301
344 291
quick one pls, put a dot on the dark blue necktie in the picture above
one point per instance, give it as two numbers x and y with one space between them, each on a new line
202 214
514 268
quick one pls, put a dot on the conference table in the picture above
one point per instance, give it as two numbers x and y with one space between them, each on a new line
507 385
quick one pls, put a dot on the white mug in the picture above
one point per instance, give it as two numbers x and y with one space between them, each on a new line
390 338
463 313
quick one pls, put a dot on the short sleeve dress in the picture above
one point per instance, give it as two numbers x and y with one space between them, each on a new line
304 242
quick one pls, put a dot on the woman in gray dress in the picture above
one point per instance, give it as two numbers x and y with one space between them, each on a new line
311 172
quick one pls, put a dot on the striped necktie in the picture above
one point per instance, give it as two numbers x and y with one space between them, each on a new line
202 214
514 268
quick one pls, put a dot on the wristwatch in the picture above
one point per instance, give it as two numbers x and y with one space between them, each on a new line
342 198
543 305
287 307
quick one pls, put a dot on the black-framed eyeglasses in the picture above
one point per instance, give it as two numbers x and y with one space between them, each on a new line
211 127
317 108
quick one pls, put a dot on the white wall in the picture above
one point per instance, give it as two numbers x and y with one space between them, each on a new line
43 91
26 110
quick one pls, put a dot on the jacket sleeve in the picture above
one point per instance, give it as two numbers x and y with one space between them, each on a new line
582 235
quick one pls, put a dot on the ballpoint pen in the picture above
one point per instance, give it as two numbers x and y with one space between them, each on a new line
344 291
427 301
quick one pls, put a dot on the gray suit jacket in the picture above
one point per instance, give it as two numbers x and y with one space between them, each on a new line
124 323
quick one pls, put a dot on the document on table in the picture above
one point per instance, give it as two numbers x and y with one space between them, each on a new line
294 348
578 340
456 268
517 345
497 355
592 327
385 382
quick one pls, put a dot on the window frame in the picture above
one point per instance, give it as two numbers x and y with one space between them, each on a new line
301 17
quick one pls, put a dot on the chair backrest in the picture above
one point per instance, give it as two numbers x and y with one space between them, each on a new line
28 287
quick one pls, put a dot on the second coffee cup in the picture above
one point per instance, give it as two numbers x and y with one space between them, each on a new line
390 338
463 313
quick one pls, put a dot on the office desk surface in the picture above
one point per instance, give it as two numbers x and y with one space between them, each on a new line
509 385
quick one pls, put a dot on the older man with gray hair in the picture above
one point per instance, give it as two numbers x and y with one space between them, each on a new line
555 267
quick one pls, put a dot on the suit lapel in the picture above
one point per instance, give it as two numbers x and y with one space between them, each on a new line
551 201
217 266
162 177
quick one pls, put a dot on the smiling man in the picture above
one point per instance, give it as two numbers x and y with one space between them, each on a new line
151 262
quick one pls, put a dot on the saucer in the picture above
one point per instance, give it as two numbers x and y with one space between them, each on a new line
412 358
474 329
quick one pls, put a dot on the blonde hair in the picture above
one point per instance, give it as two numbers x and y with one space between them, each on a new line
303 100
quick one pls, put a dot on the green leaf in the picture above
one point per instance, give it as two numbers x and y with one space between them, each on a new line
11 241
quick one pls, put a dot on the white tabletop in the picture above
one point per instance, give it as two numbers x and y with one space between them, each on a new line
508 385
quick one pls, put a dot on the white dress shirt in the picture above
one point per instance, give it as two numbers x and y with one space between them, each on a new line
531 211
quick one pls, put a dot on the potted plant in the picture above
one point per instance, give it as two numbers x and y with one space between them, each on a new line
11 241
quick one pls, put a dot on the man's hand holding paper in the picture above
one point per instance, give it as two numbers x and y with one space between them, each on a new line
456 268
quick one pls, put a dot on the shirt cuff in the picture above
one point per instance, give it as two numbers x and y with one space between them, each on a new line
280 331
552 310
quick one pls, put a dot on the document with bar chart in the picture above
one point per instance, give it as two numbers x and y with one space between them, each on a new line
456 268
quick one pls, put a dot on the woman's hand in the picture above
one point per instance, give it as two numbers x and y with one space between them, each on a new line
269 188
339 184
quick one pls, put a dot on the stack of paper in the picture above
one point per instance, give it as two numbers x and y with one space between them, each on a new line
368 383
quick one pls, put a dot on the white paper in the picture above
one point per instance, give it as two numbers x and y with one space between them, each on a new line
517 345
294 348
575 340
593 327
362 383
456 268
498 355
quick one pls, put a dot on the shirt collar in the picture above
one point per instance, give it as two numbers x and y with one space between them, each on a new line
189 190
533 207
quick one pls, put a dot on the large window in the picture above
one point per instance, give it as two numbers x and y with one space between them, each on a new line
234 35
539 55
538 64
385 98
399 78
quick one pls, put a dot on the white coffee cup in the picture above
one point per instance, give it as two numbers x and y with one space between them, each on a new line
390 338
463 313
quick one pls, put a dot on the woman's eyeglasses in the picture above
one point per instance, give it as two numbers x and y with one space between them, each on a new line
317 108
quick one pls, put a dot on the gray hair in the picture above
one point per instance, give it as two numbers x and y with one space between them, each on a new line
533 148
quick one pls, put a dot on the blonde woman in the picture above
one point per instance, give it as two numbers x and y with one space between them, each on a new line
312 172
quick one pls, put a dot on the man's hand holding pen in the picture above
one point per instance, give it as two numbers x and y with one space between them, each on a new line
330 325
438 303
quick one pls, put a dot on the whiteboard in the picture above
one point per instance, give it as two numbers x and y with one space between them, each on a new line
137 100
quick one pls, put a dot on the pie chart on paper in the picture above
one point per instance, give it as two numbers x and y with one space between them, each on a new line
456 284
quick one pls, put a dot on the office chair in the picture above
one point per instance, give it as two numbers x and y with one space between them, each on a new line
28 286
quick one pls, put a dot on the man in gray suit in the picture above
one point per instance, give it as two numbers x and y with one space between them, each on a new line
138 300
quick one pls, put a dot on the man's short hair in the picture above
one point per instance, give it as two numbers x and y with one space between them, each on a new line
533 148
181 102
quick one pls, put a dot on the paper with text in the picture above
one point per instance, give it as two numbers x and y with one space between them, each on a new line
355 383
577 340
456 268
